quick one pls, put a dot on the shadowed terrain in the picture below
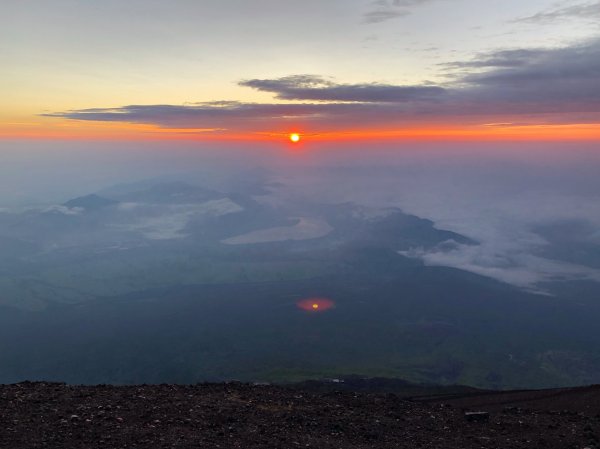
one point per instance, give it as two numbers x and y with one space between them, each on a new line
172 282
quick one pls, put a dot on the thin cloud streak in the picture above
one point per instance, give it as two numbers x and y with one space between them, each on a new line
383 10
587 11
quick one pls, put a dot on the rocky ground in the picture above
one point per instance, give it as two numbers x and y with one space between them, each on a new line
45 415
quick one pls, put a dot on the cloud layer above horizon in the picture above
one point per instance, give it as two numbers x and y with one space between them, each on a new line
530 86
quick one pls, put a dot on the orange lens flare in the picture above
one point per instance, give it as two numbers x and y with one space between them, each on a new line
315 304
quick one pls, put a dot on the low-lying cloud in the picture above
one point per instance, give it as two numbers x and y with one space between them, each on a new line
516 267
535 218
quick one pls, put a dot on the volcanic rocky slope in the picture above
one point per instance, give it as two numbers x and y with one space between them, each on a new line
234 415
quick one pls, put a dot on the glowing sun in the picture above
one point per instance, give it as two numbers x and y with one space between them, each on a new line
315 306
295 137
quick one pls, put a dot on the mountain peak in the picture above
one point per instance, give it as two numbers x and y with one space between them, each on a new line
90 202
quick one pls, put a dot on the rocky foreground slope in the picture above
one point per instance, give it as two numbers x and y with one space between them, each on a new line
46 415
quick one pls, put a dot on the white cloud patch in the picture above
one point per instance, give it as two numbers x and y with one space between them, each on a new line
510 250
513 267
59 209
170 222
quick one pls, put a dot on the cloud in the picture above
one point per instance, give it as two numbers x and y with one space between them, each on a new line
316 88
496 59
381 15
541 227
546 80
216 115
587 11
383 10
59 209
539 85
544 234
518 268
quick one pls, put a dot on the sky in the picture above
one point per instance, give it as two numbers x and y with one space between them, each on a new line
333 70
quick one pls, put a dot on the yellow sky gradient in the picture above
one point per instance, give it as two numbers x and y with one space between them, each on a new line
64 55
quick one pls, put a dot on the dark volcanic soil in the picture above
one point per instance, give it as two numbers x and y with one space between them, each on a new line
43 415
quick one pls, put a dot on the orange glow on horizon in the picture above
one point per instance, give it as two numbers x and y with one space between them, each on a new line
70 130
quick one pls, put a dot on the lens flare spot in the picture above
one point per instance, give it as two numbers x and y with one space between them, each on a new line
295 137
314 305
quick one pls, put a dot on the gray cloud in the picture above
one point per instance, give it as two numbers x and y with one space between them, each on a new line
220 115
588 11
500 58
556 85
381 15
409 3
315 88
565 77
383 10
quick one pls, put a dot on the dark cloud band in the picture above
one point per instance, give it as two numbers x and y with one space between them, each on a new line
313 88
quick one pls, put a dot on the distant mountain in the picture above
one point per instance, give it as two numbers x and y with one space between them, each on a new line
90 202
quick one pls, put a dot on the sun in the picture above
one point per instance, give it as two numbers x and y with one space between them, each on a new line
295 137
315 306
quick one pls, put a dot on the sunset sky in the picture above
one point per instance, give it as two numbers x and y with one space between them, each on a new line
329 70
